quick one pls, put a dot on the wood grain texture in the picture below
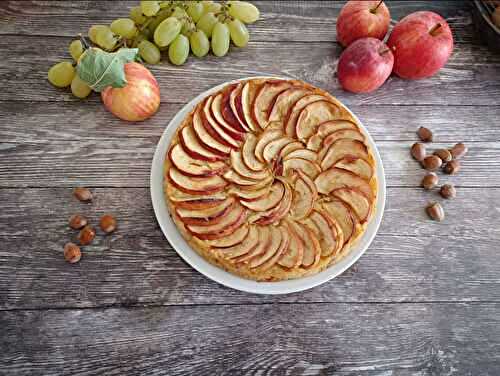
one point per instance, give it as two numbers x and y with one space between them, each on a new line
270 339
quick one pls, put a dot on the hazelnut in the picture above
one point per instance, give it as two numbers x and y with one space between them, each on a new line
77 221
83 194
430 180
108 223
435 211
452 167
458 151
425 134
86 235
444 154
418 151
432 163
72 253
448 191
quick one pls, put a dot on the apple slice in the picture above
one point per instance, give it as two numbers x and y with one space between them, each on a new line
250 194
259 184
194 167
240 168
284 102
269 201
332 222
264 139
276 213
294 112
194 148
198 203
236 107
214 129
303 154
234 177
327 128
235 238
292 257
304 196
312 248
193 185
345 133
192 201
356 200
215 110
226 111
313 115
193 217
290 148
248 93
263 244
272 149
230 223
309 168
207 212
356 165
273 246
327 233
339 149
283 248
206 139
264 100
336 178
248 153
339 210
250 242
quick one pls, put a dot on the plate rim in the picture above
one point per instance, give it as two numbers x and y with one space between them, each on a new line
223 277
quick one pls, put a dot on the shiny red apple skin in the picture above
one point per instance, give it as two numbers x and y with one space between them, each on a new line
360 19
418 53
365 65
137 101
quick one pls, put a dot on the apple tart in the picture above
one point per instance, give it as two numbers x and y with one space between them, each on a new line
270 179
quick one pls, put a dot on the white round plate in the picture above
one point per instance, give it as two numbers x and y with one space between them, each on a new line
230 280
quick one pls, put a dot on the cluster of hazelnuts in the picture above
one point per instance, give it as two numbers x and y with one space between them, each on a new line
447 159
72 252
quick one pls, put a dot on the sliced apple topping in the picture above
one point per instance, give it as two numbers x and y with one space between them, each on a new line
265 139
292 257
227 112
356 200
302 154
233 177
269 201
190 143
217 115
232 220
272 149
342 214
257 184
329 234
312 248
264 100
313 115
311 169
276 213
270 250
194 167
193 185
235 104
345 133
248 94
196 203
248 153
356 165
250 242
304 196
240 167
205 212
290 148
193 217
336 178
295 112
214 128
262 246
284 102
206 139
285 243
339 149
327 128
232 239
250 194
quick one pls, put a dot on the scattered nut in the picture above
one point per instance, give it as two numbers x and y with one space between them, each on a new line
430 180
435 211
425 134
448 191
452 167
86 235
458 151
432 163
72 253
418 151
444 154
77 221
83 194
108 223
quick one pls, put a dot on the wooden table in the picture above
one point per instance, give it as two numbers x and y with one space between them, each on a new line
423 300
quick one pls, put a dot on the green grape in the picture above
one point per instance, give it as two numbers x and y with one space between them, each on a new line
239 33
76 49
93 32
158 19
166 32
199 43
79 88
105 38
246 12
61 74
149 7
206 23
195 10
210 6
179 13
138 39
136 15
124 27
149 52
220 39
178 50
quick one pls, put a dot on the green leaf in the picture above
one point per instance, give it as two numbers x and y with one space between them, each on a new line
100 69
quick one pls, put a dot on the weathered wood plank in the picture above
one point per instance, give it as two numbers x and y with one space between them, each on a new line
470 70
406 339
286 21
90 121
126 163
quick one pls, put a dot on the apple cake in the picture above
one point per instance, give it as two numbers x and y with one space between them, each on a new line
270 179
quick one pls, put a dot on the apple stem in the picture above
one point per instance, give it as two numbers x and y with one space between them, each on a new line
384 51
374 10
434 29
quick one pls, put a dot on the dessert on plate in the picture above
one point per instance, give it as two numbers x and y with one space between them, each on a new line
270 179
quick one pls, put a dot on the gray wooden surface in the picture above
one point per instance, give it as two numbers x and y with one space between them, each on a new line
423 300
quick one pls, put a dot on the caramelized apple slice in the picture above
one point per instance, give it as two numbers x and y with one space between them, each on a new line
265 139
219 119
227 112
309 168
302 154
327 233
269 201
248 154
194 218
270 250
201 186
356 200
304 196
236 178
186 200
276 213
262 246
341 148
248 94
236 107
284 102
228 225
295 111
327 128
208 212
257 184
343 215
240 168
206 139
337 230
235 238
250 194
336 178
194 148
285 243
194 167
214 129
345 133
313 115
273 148
312 248
250 242
290 148
356 165
292 257
264 100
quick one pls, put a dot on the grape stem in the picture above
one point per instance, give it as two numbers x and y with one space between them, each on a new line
86 44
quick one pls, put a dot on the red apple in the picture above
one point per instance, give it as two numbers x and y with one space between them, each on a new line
360 19
365 65
422 43
138 100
